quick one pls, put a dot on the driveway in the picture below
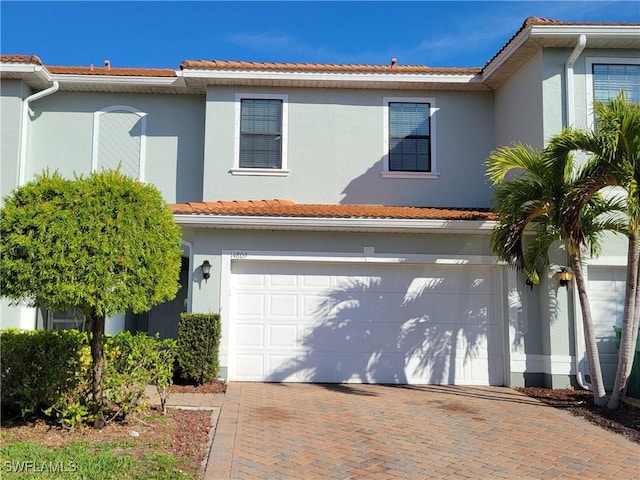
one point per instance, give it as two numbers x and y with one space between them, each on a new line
300 431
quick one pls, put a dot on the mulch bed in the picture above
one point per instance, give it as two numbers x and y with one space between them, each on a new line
624 421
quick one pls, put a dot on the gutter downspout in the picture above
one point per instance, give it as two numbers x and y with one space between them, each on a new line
22 165
571 116
568 75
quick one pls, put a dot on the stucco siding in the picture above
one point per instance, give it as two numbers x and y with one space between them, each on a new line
335 150
519 108
11 94
61 138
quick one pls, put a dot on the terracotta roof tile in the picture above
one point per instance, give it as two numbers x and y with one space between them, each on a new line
319 67
287 208
20 59
113 71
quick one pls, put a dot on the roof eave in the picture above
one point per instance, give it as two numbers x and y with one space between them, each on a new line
211 75
336 224
119 80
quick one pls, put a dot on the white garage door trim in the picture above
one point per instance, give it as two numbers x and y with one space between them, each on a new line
367 257
607 361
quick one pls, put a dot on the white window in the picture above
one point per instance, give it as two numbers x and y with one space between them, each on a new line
119 140
261 135
409 138
607 77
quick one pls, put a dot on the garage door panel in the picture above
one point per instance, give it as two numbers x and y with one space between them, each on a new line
283 305
283 336
366 323
250 335
252 305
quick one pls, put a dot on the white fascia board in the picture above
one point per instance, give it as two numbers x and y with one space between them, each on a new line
332 77
336 224
120 80
26 68
593 31
558 31
497 62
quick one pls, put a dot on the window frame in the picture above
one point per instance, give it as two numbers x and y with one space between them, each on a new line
143 136
386 172
590 62
272 172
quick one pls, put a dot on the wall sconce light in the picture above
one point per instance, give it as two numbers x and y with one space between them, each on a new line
564 276
206 269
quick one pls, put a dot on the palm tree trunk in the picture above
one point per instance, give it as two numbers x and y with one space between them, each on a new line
97 357
629 332
593 358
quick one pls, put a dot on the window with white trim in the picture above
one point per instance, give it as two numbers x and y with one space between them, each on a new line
607 76
261 135
610 79
119 140
409 138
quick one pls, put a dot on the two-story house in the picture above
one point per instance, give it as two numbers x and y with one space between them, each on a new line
337 216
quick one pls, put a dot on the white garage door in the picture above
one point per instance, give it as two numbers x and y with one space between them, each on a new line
369 323
606 287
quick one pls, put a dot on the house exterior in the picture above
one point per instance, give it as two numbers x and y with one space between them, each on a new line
344 209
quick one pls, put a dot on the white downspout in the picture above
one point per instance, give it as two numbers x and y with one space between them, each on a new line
571 116
22 164
568 75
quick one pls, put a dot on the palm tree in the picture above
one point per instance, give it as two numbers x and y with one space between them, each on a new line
534 200
615 150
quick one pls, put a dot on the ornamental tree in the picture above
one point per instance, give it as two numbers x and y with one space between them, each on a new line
102 245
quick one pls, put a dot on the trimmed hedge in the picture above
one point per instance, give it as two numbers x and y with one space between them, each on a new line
49 372
40 368
197 347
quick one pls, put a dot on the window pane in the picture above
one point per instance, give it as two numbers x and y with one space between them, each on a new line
260 133
609 80
260 151
409 131
410 155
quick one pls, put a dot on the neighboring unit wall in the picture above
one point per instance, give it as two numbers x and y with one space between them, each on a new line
519 107
335 149
11 95
62 138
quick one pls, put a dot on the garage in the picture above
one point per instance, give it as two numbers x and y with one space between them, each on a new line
606 290
377 322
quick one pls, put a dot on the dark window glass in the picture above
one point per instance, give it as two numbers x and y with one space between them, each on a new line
261 133
409 133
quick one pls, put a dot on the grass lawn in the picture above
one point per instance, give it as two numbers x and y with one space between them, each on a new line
166 447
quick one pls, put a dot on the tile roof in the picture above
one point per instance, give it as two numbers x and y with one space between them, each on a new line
113 71
9 58
318 67
287 208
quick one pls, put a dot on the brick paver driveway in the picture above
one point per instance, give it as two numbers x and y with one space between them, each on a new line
298 431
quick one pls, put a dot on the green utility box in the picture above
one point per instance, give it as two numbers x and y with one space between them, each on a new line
633 389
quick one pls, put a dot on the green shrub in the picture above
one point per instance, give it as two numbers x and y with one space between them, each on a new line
49 372
197 346
133 362
41 368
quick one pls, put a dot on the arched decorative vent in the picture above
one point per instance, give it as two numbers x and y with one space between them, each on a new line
119 137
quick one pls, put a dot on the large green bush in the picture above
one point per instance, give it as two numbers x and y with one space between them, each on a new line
198 345
49 372
40 368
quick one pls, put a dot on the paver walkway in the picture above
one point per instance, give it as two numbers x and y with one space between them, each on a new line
302 431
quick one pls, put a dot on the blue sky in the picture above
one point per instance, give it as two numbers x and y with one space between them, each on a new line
163 33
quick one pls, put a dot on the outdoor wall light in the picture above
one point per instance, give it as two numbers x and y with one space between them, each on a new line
564 276
206 269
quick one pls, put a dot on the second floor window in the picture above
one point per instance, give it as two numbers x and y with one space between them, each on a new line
409 133
261 133
610 79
